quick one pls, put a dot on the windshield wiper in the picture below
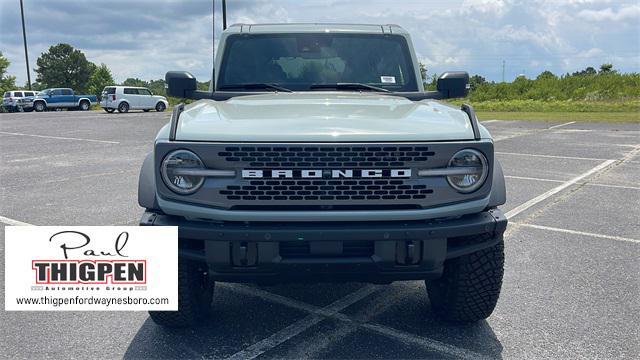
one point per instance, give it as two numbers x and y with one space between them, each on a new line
250 86
348 86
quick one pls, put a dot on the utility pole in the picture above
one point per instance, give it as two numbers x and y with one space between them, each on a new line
224 14
24 37
503 63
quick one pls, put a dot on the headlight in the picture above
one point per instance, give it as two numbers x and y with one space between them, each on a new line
175 172
473 170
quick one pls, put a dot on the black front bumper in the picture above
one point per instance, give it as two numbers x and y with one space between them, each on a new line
377 252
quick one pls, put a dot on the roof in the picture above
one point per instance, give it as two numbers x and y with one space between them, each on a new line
316 27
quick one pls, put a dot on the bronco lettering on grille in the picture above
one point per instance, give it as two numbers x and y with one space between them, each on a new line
319 174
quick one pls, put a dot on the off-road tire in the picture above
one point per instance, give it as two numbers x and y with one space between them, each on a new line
195 293
123 107
160 107
470 285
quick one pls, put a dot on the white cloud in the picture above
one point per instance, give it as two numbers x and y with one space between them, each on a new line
625 13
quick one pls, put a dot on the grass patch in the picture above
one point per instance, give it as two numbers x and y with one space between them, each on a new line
602 116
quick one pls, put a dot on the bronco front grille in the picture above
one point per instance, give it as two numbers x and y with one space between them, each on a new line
327 156
338 189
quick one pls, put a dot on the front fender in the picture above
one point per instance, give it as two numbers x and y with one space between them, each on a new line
147 185
498 187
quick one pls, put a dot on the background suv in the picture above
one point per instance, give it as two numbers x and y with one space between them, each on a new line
11 99
125 98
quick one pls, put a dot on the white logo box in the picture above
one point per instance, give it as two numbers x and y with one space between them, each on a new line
96 268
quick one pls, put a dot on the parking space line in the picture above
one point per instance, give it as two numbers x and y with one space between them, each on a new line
59 137
405 337
13 222
561 181
488 121
549 156
259 348
561 125
519 209
574 232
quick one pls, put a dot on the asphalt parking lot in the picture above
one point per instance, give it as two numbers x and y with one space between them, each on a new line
571 286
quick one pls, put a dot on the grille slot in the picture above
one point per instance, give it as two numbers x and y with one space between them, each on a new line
337 189
326 156
302 249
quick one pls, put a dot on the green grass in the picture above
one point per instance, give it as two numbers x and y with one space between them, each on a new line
621 116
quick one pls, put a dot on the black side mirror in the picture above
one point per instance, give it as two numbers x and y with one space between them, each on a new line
180 84
453 84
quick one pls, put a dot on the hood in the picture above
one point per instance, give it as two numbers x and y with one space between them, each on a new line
322 117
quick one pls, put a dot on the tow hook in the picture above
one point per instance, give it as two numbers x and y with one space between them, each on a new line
408 252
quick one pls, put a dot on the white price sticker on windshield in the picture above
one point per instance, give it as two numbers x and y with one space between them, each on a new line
388 79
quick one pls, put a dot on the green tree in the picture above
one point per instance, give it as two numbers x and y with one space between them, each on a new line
64 66
100 78
7 82
135 82
475 81
546 75
588 71
606 68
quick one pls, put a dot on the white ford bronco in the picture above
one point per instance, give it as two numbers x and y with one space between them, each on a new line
317 155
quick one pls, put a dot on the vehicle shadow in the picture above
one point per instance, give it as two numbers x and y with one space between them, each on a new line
239 321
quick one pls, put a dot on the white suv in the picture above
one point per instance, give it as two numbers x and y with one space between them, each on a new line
11 100
125 98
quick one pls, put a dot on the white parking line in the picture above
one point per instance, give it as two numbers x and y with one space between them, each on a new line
549 156
299 326
488 121
12 222
517 210
561 181
59 137
561 125
574 232
405 337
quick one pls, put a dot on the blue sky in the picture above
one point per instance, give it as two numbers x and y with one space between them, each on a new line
146 38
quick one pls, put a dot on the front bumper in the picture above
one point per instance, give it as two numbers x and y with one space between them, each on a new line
378 252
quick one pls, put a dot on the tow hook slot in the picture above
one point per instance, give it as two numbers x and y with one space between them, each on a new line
408 252
244 254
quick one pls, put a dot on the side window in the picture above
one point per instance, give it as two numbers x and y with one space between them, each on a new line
29 93
7 94
130 91
144 92
18 94
110 90
56 92
67 92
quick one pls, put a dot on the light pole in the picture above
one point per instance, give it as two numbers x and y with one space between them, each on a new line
224 14
24 37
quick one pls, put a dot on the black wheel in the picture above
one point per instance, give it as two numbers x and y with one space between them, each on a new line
195 293
470 285
109 110
84 105
123 107
39 106
160 107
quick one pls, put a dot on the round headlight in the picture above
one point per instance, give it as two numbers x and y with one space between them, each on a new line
176 168
473 170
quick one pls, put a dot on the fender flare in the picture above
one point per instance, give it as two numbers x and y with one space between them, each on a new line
498 187
84 98
147 185
43 100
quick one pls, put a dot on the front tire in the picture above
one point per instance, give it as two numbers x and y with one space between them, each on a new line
123 107
470 285
160 107
195 293
39 106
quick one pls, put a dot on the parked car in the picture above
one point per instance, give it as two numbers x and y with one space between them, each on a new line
125 98
11 100
62 98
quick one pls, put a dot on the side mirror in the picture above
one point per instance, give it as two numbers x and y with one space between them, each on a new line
184 85
453 84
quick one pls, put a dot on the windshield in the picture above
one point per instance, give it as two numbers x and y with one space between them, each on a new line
304 61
